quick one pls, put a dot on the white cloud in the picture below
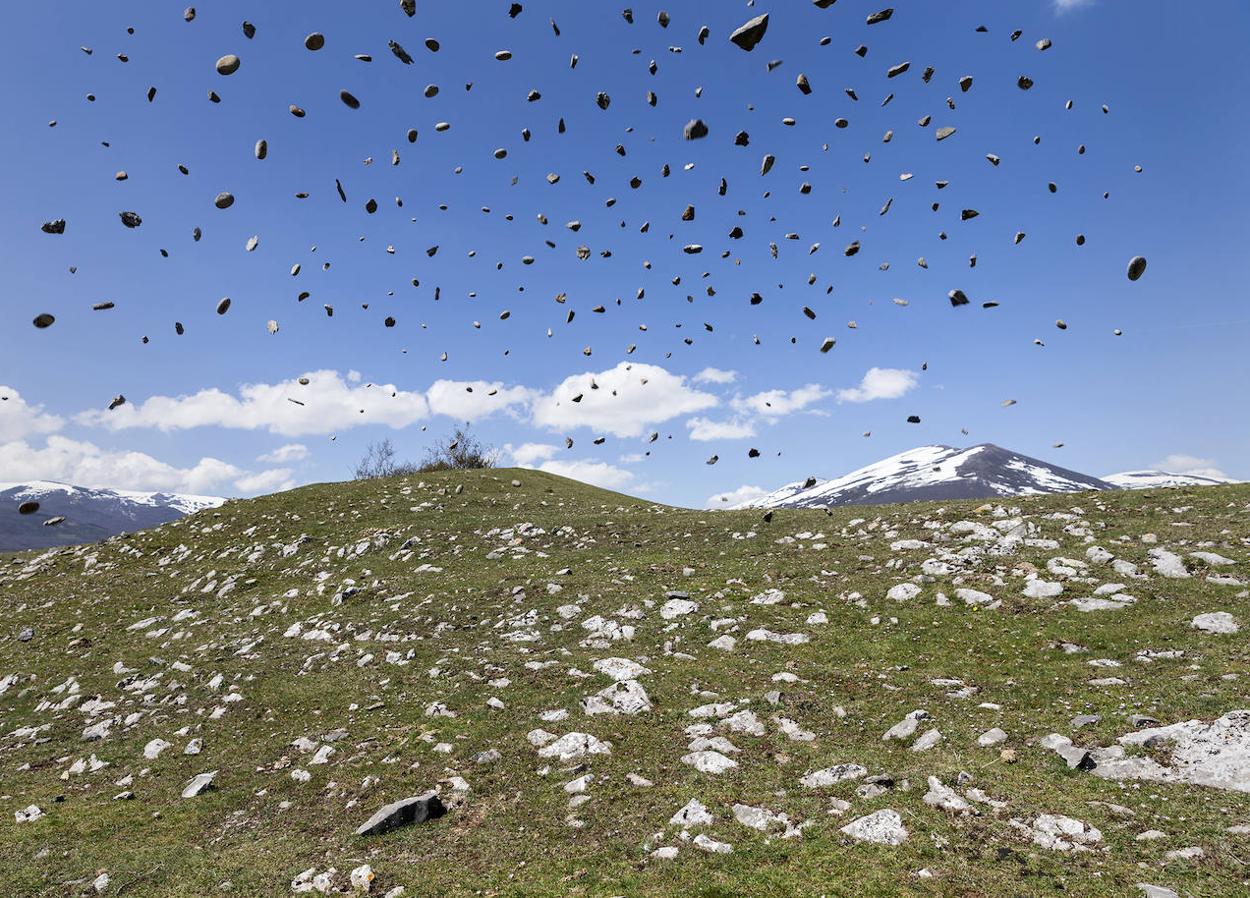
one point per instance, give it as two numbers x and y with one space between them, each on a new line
86 464
628 399
715 376
704 429
527 453
880 383
469 400
1189 464
776 403
19 419
326 404
733 497
284 455
596 473
1068 5
622 401
274 480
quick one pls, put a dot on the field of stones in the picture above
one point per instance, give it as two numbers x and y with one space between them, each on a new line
507 683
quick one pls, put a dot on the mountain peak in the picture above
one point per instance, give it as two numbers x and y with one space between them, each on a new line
935 473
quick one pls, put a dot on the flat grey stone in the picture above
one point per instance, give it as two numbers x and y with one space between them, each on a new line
1156 891
200 783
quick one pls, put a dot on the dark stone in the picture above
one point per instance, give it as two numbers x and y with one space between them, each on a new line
750 33
400 53
417 809
1076 758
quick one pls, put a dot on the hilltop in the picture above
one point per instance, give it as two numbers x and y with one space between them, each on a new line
612 697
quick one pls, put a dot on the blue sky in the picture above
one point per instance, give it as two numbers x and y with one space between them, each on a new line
209 411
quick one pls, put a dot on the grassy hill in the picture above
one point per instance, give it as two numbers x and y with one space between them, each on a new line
338 647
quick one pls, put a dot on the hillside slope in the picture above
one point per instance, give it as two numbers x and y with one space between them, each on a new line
618 698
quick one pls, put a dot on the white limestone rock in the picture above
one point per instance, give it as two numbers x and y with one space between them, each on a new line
574 746
1061 833
903 592
710 762
991 737
693 813
884 827
829 776
1218 622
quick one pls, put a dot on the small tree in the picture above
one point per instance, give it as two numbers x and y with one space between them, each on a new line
458 452
379 461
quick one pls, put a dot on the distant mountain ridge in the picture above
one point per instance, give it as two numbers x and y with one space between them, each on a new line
89 514
1148 480
941 473
934 473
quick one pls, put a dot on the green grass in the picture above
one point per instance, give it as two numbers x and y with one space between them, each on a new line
508 836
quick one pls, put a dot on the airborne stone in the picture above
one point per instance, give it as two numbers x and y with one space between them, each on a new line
750 33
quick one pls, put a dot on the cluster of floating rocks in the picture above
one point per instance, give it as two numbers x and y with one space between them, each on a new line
533 37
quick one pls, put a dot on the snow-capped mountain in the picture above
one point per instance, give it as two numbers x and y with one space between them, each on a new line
89 515
934 473
1150 480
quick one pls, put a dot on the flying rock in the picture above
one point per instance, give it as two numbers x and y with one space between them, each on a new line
750 33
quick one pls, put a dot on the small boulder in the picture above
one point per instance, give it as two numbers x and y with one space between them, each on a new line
416 809
200 783
884 827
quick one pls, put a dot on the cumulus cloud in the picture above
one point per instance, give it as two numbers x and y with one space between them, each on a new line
734 497
596 473
776 403
19 419
715 376
541 457
326 404
704 429
469 400
621 401
527 453
86 464
880 383
272 481
284 455
1189 464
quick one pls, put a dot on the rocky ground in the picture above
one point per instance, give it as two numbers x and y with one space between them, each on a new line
567 692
